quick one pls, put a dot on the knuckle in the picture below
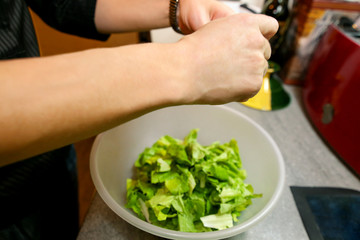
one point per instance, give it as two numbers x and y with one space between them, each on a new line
253 86
244 18
257 41
256 59
248 18
257 84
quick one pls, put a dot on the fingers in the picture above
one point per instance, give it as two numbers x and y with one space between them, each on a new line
220 11
237 71
267 50
191 17
195 14
266 68
268 26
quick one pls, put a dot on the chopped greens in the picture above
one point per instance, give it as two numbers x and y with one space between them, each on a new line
184 186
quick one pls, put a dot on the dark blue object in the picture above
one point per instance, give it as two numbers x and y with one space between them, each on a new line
329 213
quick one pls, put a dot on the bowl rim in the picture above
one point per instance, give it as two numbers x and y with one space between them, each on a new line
172 234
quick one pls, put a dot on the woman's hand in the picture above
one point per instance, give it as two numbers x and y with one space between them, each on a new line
195 13
226 58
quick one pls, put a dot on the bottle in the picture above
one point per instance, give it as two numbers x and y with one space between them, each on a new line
279 10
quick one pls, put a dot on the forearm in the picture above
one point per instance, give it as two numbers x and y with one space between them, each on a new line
49 102
135 15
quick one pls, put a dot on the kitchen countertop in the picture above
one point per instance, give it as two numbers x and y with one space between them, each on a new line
308 162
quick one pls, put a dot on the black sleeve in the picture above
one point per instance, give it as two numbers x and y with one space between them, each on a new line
75 17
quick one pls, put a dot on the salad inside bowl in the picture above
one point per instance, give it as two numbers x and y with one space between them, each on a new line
115 152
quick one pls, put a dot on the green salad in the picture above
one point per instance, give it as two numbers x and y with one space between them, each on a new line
182 185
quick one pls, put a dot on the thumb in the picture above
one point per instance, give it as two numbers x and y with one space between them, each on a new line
194 21
268 25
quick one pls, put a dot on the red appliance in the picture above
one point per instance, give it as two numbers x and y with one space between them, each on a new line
332 94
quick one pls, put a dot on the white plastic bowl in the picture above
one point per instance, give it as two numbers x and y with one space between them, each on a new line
115 151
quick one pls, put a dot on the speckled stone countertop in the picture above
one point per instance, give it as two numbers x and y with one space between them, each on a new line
308 162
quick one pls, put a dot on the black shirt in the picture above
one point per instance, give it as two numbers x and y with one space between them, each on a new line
26 183
17 35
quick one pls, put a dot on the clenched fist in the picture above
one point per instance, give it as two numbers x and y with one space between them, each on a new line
225 59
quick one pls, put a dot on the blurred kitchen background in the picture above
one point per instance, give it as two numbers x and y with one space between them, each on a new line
317 48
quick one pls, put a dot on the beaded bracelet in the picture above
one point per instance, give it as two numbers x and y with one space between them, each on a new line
174 4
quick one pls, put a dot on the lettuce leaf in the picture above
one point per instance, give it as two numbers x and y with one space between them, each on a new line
185 186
